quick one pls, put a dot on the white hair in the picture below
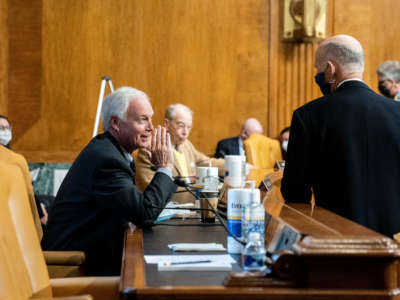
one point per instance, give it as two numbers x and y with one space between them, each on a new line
390 69
116 104
170 112
346 51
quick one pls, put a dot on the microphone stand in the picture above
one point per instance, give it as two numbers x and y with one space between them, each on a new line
104 80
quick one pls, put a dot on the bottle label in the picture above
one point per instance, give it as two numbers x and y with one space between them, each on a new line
256 226
235 227
254 222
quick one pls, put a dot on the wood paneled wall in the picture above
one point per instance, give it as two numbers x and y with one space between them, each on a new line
224 59
3 58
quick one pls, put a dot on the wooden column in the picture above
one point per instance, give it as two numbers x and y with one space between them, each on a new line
3 57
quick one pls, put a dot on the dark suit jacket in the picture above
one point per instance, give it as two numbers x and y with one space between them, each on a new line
229 146
346 146
96 200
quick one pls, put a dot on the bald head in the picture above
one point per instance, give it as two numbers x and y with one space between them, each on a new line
343 50
250 126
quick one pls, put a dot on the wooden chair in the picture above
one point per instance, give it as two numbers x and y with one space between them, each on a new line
396 237
9 156
271 193
262 152
60 263
25 274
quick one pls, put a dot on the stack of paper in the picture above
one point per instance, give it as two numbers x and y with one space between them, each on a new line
169 211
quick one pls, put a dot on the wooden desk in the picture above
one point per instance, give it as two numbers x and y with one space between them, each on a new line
323 257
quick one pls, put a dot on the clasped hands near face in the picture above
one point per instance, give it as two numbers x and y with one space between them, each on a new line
160 149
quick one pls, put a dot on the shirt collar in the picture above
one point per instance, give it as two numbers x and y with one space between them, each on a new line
349 79
127 155
397 98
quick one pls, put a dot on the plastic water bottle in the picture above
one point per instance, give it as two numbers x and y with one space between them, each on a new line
253 254
254 215
234 216
245 203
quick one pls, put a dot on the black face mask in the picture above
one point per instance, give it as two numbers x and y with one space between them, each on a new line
325 87
384 91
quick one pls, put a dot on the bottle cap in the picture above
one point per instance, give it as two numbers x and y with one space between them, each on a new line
255 193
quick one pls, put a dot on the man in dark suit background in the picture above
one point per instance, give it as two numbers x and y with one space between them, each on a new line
98 197
234 145
345 146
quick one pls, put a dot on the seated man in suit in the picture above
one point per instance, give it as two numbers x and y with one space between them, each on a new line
99 197
234 145
178 121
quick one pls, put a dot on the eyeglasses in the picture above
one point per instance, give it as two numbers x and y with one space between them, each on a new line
382 81
3 127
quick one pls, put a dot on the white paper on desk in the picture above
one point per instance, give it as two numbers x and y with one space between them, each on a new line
221 258
169 211
196 247
210 266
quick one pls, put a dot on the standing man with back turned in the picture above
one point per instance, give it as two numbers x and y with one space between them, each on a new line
98 197
346 145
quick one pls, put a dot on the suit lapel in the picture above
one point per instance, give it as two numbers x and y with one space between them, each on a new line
131 165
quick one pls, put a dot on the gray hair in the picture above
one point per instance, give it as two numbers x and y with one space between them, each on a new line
351 59
116 104
170 112
390 69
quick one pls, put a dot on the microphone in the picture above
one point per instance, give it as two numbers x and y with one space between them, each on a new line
179 182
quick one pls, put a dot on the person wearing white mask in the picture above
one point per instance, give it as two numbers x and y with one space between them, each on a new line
5 131
284 138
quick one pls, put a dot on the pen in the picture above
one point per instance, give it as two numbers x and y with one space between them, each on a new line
189 262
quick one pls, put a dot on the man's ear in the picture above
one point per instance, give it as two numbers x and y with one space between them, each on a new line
114 122
166 123
331 71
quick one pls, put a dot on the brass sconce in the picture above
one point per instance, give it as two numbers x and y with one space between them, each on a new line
304 20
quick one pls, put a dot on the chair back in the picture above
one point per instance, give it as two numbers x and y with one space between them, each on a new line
14 279
262 152
16 208
18 160
272 198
